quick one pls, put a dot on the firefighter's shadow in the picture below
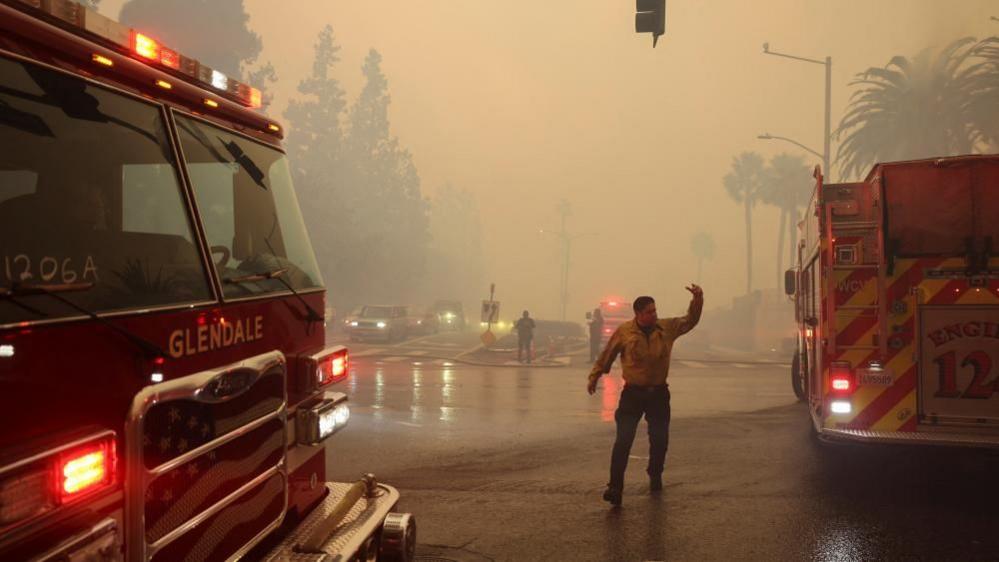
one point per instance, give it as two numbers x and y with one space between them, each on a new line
637 530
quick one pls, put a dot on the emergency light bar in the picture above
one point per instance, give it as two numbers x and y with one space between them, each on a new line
148 50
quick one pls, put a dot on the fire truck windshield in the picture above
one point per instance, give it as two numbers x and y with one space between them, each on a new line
251 217
89 193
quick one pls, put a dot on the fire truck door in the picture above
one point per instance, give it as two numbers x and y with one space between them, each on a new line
959 365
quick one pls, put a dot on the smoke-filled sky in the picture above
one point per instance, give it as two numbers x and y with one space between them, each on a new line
525 102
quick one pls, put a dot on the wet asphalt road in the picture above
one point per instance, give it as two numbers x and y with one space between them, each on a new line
509 464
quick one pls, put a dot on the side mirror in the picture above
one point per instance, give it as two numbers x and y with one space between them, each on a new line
790 278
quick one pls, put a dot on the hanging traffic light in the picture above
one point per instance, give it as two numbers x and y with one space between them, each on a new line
650 17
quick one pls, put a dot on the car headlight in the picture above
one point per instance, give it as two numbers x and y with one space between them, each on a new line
354 323
381 324
449 316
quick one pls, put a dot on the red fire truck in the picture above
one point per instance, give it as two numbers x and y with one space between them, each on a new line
615 311
897 301
165 387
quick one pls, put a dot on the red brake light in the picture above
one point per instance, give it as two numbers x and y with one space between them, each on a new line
841 379
85 469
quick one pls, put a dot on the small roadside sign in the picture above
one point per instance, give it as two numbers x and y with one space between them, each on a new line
490 311
488 338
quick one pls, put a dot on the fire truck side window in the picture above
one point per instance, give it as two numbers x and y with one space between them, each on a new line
89 193
248 207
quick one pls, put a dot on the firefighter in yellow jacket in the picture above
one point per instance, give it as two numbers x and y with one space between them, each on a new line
644 345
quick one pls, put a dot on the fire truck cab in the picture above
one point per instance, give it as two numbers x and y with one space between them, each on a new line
897 302
165 386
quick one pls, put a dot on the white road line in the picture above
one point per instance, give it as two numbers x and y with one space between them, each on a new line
418 352
695 364
408 424
393 359
366 352
743 366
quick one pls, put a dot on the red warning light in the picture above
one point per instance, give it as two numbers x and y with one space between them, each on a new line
146 47
170 58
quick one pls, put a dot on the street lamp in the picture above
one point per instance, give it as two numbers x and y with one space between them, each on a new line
566 240
768 136
828 133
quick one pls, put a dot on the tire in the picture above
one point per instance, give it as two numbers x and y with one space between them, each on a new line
798 377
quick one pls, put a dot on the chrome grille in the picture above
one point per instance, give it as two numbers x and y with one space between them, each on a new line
207 444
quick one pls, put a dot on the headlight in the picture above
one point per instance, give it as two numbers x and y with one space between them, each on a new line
419 321
354 323
449 316
381 324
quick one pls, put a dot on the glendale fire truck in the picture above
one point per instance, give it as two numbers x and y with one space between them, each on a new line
165 388
897 302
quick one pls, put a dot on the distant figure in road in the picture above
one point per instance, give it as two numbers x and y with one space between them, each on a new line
525 335
596 331
644 344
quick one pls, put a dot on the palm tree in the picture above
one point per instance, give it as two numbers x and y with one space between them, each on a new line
743 184
911 108
984 85
787 183
702 245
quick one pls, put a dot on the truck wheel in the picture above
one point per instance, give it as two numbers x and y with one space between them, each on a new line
398 542
797 377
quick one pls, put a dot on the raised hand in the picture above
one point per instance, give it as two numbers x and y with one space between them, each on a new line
696 291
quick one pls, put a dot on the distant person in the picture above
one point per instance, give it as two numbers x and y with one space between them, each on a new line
525 335
596 331
644 345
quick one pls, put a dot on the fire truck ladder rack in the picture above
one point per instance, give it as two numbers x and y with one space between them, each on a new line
876 308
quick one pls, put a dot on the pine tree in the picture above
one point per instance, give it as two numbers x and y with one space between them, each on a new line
383 188
315 148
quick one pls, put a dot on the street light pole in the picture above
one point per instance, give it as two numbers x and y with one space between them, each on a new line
768 136
564 210
566 239
828 114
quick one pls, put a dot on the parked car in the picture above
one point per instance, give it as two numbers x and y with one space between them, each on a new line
423 321
450 315
383 322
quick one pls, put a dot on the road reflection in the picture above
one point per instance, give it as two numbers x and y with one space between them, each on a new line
609 395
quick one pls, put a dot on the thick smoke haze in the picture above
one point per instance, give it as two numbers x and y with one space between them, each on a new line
524 103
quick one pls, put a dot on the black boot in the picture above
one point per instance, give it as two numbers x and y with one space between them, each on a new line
656 483
613 495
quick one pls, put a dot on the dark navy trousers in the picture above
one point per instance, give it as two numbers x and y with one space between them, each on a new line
637 401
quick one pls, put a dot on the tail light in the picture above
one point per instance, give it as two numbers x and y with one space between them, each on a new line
47 481
841 379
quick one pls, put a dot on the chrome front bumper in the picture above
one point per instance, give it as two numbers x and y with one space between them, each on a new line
363 521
